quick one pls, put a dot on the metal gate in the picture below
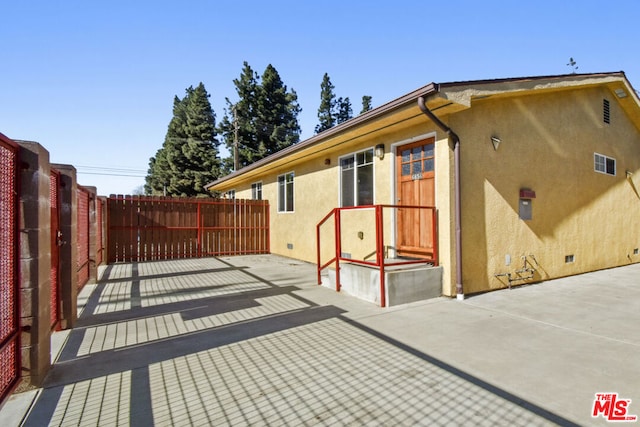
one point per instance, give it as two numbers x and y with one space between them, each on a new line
9 296
83 237
54 191
156 228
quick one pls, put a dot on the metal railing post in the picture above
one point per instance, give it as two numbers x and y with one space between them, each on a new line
337 224
380 254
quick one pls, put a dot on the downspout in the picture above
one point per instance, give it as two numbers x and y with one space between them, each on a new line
456 172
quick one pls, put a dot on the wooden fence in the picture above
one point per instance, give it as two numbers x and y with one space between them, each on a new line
157 228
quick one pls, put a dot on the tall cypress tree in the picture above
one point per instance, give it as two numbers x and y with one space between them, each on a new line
326 111
188 159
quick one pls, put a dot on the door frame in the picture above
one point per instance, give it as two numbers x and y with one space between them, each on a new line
393 182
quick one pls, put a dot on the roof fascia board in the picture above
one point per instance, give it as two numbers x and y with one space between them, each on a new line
332 132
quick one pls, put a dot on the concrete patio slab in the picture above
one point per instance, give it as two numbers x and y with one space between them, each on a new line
252 340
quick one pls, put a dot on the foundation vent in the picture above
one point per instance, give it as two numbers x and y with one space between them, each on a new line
569 259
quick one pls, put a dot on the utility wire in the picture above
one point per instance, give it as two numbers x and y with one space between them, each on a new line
111 171
109 168
111 174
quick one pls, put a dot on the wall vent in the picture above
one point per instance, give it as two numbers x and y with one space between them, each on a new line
606 112
635 251
569 259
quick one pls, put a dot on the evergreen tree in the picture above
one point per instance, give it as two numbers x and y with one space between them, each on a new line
326 111
277 114
266 115
188 159
366 104
345 112
241 115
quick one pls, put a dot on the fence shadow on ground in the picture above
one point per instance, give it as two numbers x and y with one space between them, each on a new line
251 353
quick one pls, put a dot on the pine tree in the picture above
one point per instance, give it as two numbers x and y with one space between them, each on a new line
326 111
277 113
188 159
266 115
345 112
366 104
241 115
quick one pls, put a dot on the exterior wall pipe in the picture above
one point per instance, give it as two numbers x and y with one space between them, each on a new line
456 171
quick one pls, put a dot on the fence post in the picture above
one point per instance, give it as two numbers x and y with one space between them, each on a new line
35 263
68 249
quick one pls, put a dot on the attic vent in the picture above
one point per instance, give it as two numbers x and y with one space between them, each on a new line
606 116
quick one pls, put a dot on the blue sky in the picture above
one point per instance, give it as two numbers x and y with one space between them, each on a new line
94 81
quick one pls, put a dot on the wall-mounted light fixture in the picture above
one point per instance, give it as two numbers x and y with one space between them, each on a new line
380 151
327 162
628 173
495 141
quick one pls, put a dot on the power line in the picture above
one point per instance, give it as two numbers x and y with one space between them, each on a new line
110 174
112 169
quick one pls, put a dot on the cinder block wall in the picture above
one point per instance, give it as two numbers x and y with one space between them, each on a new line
35 264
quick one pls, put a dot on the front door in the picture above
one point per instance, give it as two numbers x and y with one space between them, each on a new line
415 175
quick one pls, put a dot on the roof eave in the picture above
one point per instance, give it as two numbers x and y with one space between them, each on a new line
329 133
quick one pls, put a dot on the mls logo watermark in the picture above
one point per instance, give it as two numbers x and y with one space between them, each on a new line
612 408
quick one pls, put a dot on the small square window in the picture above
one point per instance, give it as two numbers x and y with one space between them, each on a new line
604 164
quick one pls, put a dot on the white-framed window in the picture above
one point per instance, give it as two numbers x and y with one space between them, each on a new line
256 191
356 179
231 194
285 192
604 164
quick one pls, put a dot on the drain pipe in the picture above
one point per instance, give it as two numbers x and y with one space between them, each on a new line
456 172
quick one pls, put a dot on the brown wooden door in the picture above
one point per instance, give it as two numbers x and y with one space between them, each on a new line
415 173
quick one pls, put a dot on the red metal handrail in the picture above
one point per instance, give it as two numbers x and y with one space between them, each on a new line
379 239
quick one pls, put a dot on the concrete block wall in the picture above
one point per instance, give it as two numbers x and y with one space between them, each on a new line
35 264
35 240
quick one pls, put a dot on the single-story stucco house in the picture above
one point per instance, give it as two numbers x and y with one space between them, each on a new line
525 179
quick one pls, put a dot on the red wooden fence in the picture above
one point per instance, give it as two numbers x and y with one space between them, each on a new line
9 297
156 228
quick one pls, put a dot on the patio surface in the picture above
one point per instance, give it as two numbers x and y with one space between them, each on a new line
252 340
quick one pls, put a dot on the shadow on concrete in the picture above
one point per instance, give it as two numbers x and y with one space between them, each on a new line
294 365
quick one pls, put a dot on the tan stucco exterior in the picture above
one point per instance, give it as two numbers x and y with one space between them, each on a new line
549 130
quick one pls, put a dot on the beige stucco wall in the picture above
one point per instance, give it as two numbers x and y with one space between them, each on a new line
316 187
548 144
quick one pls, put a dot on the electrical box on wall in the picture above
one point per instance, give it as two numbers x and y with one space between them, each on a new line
525 208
